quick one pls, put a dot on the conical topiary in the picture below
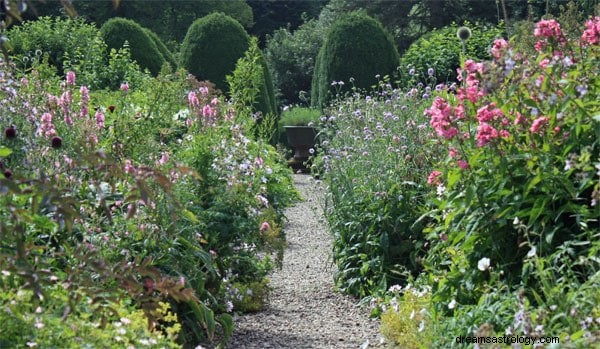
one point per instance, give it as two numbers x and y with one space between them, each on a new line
358 47
166 53
143 50
212 46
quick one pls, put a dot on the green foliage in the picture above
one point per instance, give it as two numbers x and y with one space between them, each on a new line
299 116
164 51
251 89
356 50
251 297
292 56
212 47
441 50
54 46
407 321
143 49
54 38
24 326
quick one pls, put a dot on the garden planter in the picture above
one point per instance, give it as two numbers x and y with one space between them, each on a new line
301 139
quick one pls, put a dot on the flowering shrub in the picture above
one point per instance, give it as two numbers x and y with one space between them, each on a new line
142 195
519 184
437 54
375 156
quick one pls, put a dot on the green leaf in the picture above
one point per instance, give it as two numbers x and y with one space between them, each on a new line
190 216
4 152
538 207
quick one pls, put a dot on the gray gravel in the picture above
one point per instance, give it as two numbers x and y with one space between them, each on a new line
304 311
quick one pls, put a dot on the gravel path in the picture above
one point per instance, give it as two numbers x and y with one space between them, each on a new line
303 310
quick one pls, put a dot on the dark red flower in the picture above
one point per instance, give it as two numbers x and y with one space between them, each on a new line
7 173
111 108
56 142
10 132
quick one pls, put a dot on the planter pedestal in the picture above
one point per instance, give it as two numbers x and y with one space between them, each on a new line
301 139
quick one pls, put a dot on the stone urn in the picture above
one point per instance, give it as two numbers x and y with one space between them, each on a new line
301 139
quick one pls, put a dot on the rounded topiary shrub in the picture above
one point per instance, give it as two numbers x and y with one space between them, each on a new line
358 47
440 51
164 51
143 49
212 46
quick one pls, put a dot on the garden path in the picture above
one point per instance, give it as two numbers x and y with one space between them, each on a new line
304 311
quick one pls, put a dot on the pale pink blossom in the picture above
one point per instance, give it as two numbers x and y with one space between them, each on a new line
434 178
70 78
591 34
539 124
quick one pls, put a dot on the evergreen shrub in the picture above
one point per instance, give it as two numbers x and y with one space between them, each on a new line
143 49
212 46
356 48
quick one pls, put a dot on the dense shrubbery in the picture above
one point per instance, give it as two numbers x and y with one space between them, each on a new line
212 46
441 51
144 51
134 197
356 50
511 214
58 45
162 48
376 156
291 57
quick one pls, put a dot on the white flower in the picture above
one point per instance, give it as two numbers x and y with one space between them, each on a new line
125 320
531 252
395 288
441 189
516 221
483 264
421 326
452 304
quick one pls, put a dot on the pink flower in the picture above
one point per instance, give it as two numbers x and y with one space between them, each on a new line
124 87
434 178
207 111
193 99
591 34
544 63
70 78
214 101
549 29
504 134
203 90
452 153
463 164
163 159
489 113
129 168
441 118
264 226
520 120
99 119
485 134
498 48
84 102
538 124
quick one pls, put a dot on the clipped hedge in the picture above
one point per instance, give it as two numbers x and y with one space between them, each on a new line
143 49
441 50
166 53
358 47
212 46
